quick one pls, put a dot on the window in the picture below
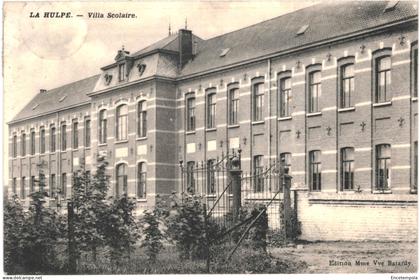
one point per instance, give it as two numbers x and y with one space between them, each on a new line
122 183
141 180
53 185
347 86
14 185
41 181
121 70
211 177
416 165
383 164
14 148
383 79
42 140
87 133
286 161
258 101
22 188
32 184
122 122
23 144
315 170
63 184
233 106
102 126
347 169
53 138
63 137
191 114
285 92
190 177
32 142
75 134
414 66
258 174
211 110
314 91
142 119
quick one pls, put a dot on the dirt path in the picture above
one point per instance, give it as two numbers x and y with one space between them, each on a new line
353 257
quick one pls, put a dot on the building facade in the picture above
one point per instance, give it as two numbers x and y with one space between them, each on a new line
336 99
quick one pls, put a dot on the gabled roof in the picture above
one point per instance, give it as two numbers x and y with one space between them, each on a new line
325 21
49 101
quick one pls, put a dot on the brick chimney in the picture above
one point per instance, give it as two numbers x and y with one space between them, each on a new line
42 90
185 46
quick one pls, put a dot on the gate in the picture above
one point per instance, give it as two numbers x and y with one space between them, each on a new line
223 188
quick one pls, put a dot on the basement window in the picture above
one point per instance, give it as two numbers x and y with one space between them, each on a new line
35 106
302 29
224 52
390 6
62 98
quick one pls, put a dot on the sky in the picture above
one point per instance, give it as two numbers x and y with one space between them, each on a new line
44 53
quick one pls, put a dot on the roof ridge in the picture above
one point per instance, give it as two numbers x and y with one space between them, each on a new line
78 81
270 19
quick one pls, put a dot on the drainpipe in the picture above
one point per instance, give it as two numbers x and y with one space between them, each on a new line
269 107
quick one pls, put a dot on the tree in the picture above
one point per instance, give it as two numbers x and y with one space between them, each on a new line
151 233
91 208
14 221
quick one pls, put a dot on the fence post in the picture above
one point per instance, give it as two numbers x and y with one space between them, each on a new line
71 244
287 205
235 175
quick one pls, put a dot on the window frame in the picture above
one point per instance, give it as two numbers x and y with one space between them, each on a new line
315 164
284 94
233 105
63 184
121 176
121 72
14 185
141 190
23 144
33 143
377 57
287 157
53 185
258 171
379 158
142 119
42 143
258 101
211 101
103 126
313 96
121 122
414 69
14 146
190 177
346 99
32 184
63 136
211 177
191 113
75 135
22 187
88 131
347 165
53 139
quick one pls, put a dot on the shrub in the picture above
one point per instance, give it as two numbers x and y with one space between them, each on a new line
152 234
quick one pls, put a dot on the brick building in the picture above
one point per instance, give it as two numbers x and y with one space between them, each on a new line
331 89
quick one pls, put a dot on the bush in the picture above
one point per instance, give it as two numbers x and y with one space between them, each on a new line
152 234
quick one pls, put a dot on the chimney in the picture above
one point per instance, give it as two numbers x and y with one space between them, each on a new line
42 90
185 46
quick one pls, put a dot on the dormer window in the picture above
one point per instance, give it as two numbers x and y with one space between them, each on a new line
121 72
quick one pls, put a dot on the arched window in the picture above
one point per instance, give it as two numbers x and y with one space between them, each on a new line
258 101
347 169
233 106
314 91
315 170
211 110
141 180
285 95
211 177
383 167
122 122
141 119
190 114
347 85
383 79
122 184
102 126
